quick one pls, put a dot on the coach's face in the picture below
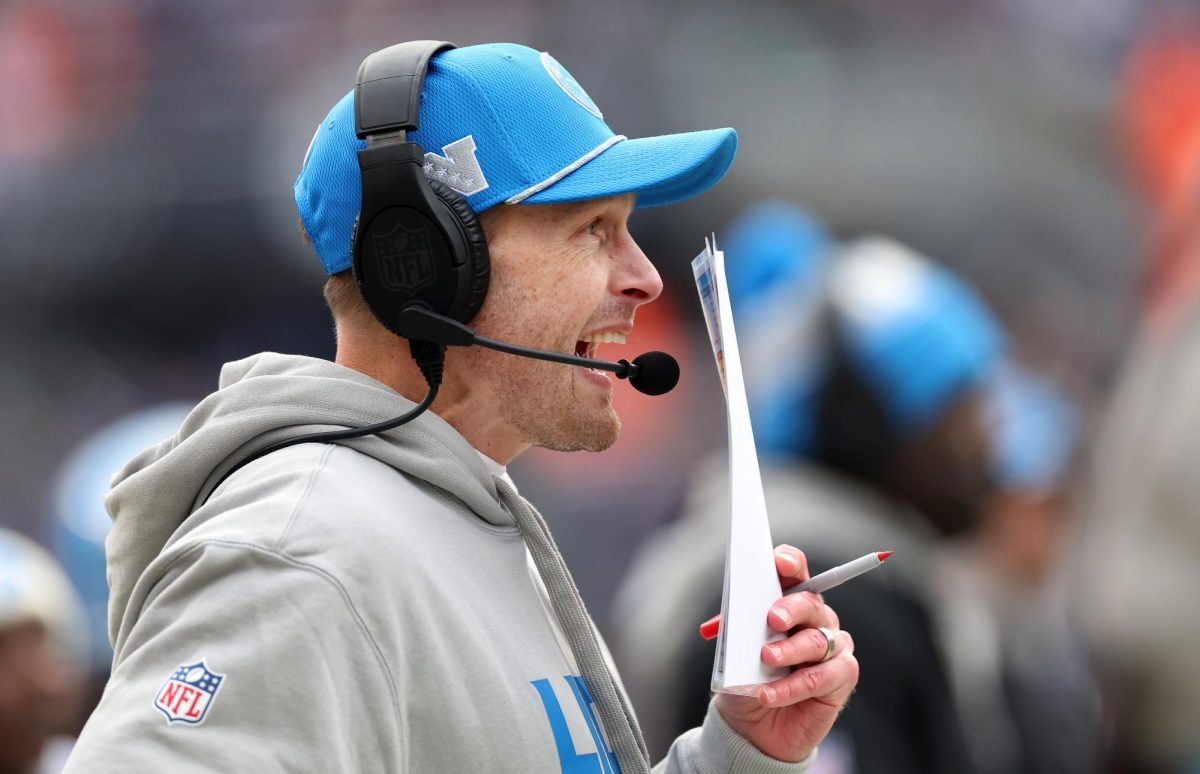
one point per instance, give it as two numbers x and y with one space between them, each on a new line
568 278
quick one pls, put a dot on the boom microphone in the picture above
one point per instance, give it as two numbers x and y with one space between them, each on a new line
657 373
652 373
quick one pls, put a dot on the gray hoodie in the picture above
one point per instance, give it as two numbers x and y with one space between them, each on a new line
382 604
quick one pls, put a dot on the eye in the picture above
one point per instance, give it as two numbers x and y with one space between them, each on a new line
593 228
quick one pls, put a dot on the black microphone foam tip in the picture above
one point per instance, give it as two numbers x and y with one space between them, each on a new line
658 373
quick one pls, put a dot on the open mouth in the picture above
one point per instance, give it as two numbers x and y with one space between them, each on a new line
589 345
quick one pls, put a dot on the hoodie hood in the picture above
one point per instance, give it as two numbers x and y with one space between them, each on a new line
262 400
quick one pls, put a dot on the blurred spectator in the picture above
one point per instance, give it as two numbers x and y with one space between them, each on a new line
42 644
894 455
1139 570
1136 583
1018 668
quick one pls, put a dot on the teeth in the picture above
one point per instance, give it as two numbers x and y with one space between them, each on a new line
605 337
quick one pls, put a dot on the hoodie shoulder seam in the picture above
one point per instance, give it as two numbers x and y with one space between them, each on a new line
303 498
331 579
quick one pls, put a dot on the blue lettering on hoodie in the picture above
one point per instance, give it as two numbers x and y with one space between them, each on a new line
571 762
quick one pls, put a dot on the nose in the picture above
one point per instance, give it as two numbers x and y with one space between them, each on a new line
635 277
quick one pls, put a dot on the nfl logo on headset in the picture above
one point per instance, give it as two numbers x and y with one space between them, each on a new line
405 258
188 693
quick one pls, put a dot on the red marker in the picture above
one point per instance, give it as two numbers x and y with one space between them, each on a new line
818 584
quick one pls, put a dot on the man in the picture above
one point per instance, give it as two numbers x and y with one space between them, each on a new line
390 603
1016 658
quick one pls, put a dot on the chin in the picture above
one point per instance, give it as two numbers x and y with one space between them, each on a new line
592 434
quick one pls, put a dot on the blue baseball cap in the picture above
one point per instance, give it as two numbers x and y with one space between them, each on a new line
503 123
920 335
771 244
777 254
1035 430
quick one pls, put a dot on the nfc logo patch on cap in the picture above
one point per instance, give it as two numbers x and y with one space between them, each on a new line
569 85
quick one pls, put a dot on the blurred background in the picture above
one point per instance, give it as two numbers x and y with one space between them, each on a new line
1047 153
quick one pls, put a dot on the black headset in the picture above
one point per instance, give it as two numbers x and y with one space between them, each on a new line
416 241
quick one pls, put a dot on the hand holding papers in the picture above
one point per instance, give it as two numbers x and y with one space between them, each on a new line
751 582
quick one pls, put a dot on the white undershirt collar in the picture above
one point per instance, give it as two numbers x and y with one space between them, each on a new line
495 468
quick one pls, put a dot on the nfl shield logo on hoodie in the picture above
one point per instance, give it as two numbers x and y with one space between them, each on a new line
188 693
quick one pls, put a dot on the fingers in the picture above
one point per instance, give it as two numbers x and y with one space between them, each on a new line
804 609
791 564
807 646
830 682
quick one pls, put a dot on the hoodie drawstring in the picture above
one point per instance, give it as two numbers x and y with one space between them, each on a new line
615 712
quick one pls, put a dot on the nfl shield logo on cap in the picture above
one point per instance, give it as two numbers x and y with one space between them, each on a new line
188 693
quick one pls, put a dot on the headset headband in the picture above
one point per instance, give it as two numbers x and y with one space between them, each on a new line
387 92
416 241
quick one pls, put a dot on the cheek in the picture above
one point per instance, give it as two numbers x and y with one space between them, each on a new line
543 294
505 297
582 284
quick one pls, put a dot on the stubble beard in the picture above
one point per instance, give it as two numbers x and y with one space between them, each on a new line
540 401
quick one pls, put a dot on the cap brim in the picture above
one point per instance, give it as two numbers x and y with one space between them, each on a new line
660 170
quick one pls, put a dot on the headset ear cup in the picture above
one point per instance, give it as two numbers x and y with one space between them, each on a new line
478 264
